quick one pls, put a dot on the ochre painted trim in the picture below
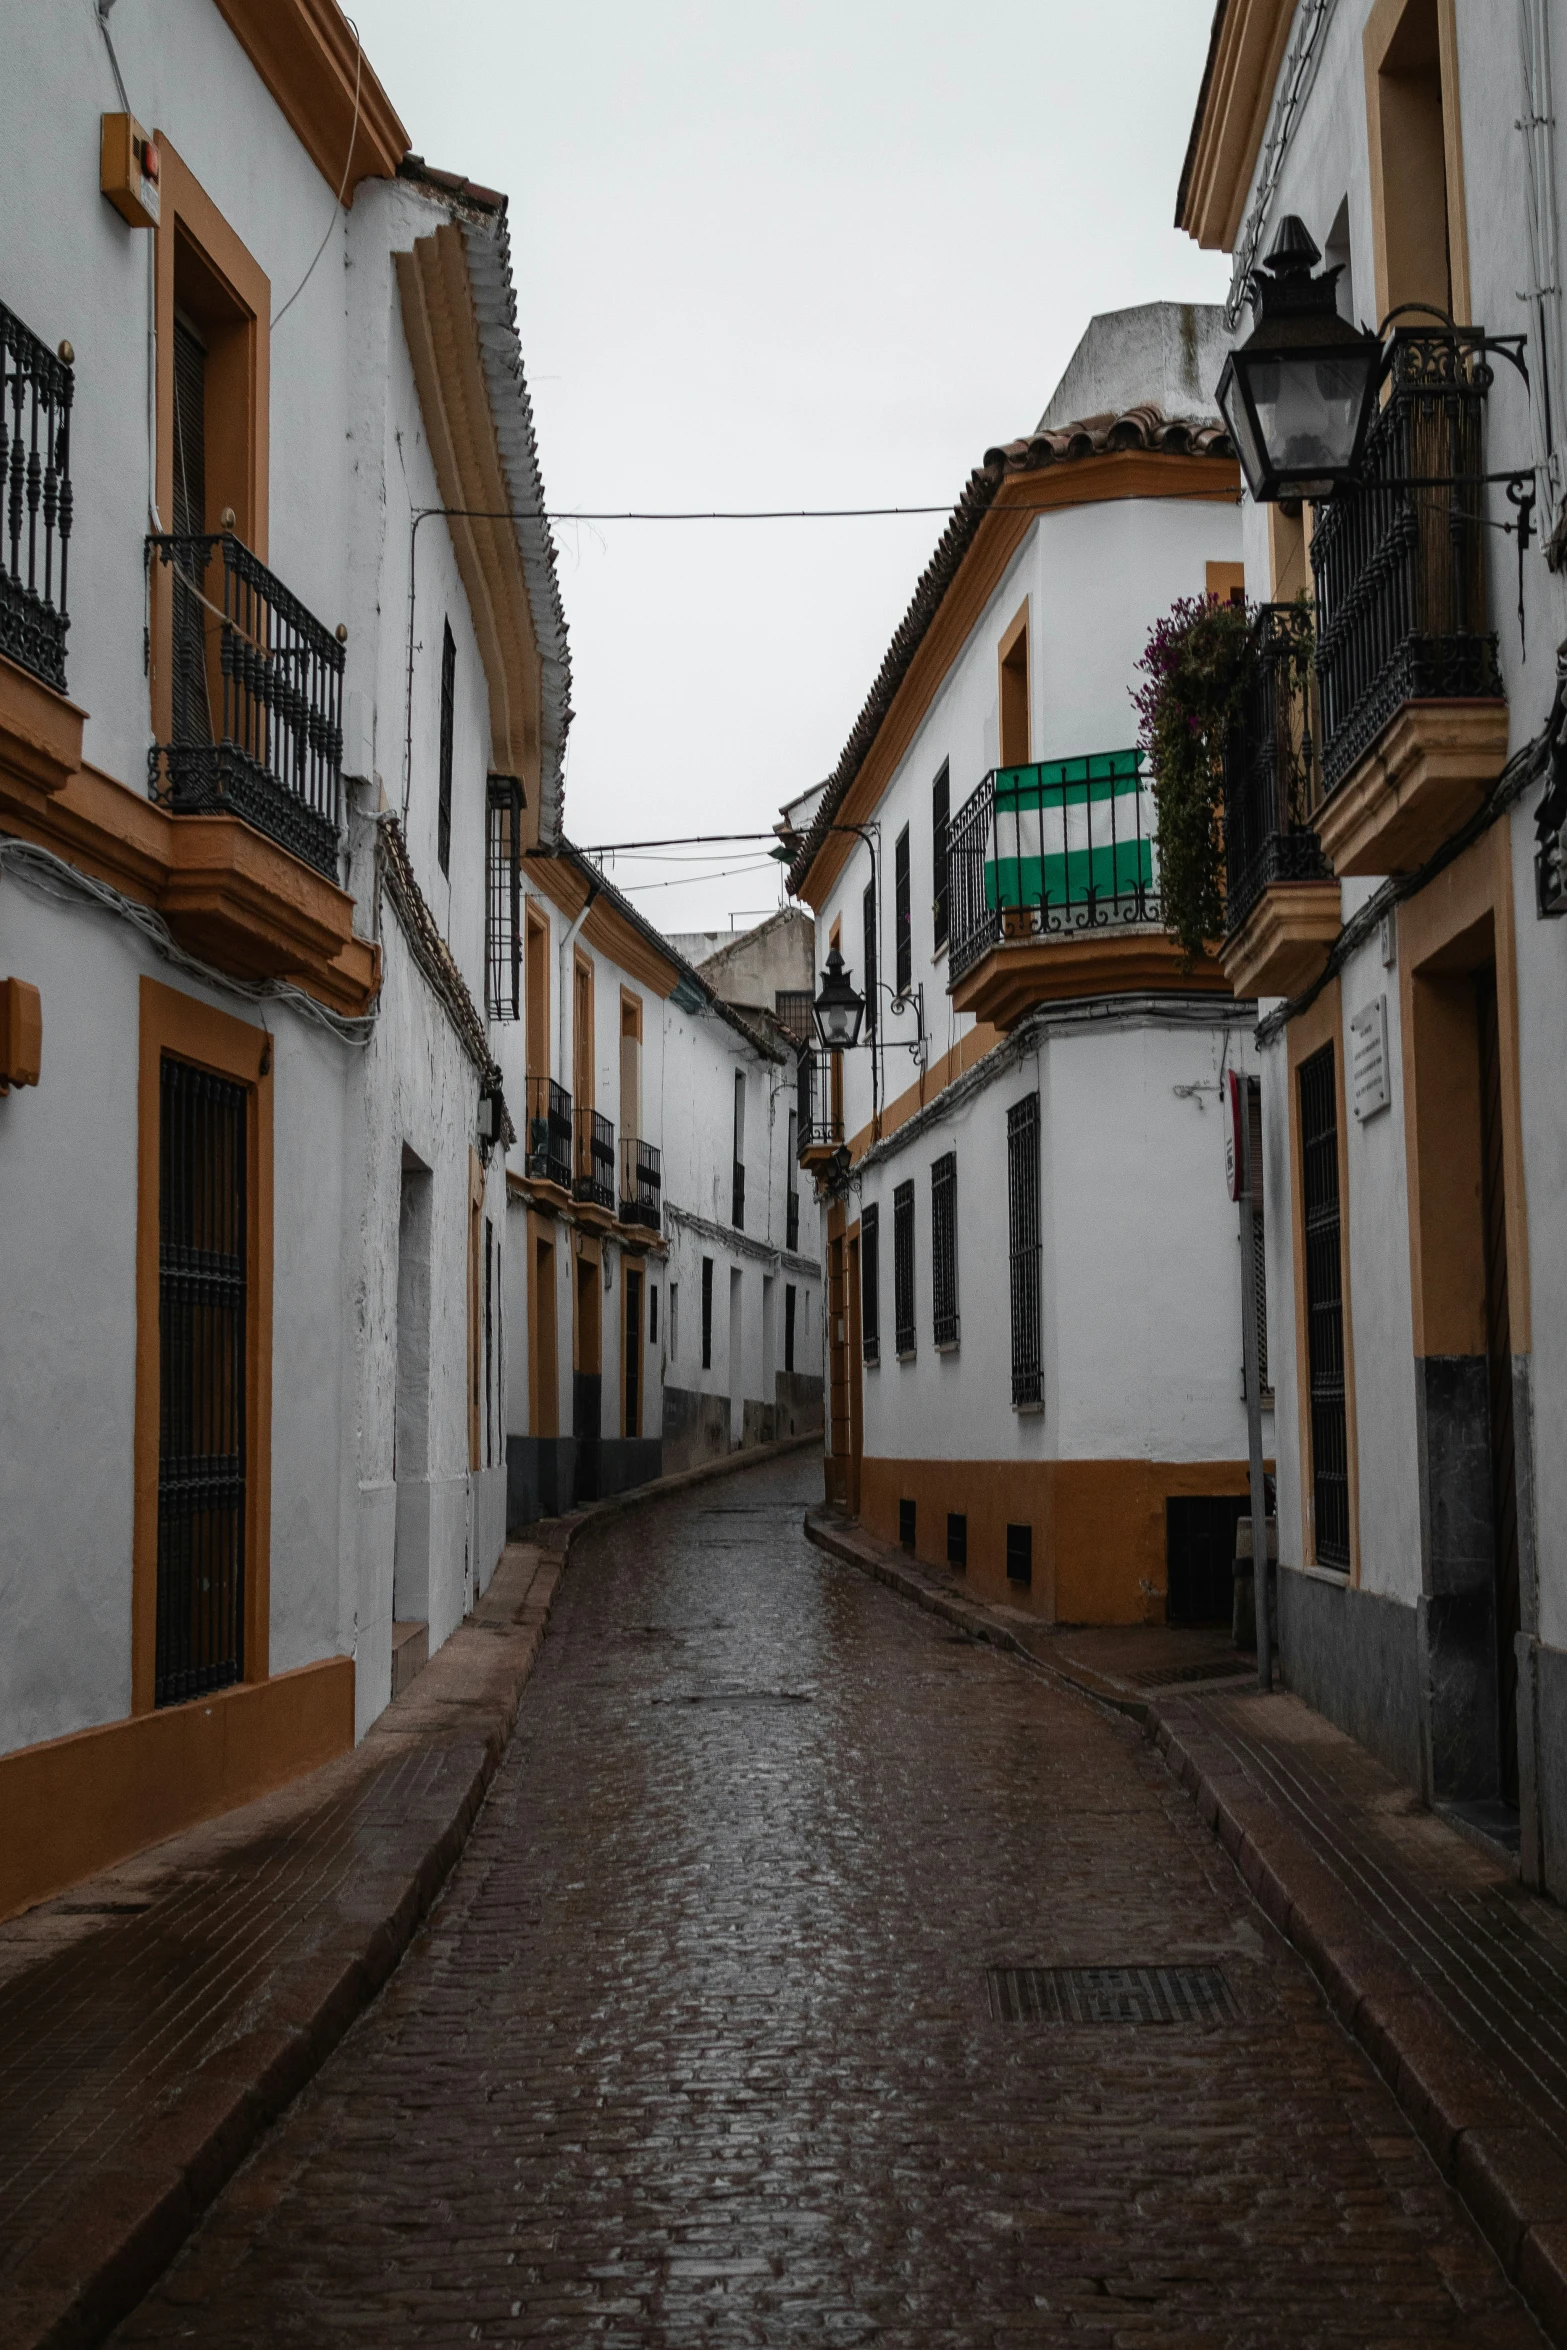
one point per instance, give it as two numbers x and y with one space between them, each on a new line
1426 774
306 53
1437 930
230 894
1283 943
1232 119
442 329
1322 1023
40 731
1099 1526
606 928
237 456
1381 25
76 1804
1021 499
175 1023
1015 976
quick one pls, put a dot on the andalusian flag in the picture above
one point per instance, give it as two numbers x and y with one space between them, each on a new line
1067 829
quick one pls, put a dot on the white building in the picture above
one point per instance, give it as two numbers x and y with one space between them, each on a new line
1400 911
1034 1278
266 798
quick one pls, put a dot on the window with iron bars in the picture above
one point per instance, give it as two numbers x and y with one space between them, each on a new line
870 1282
940 820
902 916
944 1249
1325 1307
903 1268
503 956
1023 1250
443 814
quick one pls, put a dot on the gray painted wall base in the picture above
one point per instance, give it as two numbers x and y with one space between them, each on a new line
1354 1657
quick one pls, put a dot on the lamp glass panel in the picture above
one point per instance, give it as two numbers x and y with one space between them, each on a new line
1308 410
1243 432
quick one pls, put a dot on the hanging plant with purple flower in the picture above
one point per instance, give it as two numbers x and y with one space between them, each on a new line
1197 666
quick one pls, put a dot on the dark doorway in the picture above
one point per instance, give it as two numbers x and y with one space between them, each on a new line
587 1383
1200 1556
1499 1379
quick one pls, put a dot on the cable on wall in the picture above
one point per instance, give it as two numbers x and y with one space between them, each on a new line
348 164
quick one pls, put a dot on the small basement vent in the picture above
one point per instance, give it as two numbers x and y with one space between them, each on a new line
1111 1995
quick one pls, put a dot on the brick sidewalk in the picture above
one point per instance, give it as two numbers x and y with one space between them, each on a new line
155 2018
1450 1975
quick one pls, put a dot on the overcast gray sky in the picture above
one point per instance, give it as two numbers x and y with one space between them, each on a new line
820 254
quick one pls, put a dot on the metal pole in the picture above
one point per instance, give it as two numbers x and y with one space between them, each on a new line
1259 1508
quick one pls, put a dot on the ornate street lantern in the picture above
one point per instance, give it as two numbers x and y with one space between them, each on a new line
1298 394
838 1011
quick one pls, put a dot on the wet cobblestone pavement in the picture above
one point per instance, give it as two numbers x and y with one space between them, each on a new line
698 2047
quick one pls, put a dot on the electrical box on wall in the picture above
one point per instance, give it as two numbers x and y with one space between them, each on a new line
128 170
21 1034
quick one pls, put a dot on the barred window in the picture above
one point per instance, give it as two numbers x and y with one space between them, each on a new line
503 943
902 919
903 1268
1324 1308
1023 1248
789 1315
944 1249
443 817
940 806
870 1282
1258 1239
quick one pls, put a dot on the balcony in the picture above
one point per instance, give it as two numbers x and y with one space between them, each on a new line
1282 903
641 1184
1414 727
593 1160
1053 890
255 726
35 500
819 1107
547 1141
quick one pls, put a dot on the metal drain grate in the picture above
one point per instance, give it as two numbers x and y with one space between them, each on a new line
1111 1995
1218 1669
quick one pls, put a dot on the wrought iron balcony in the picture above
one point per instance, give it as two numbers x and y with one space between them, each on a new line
1400 561
257 684
1057 850
547 1149
1272 784
641 1184
819 1119
35 500
593 1159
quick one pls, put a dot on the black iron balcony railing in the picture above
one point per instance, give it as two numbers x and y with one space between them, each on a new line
1051 851
641 1184
737 1196
593 1160
257 686
1400 561
818 1124
791 1218
35 500
547 1144
1272 783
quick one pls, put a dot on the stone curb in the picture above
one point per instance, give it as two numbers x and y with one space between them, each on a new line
1508 2174
111 2241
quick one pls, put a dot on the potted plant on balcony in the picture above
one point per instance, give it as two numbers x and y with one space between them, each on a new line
1196 668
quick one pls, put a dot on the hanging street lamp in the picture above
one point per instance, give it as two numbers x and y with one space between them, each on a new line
838 1010
1300 392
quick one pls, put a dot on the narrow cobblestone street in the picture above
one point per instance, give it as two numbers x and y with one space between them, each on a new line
698 2047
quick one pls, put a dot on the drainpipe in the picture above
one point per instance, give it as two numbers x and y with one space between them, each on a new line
566 992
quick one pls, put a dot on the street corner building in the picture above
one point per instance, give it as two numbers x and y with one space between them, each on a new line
1395 886
324 1260
1035 1286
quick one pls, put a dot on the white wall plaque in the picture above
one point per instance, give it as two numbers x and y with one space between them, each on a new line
1368 1059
